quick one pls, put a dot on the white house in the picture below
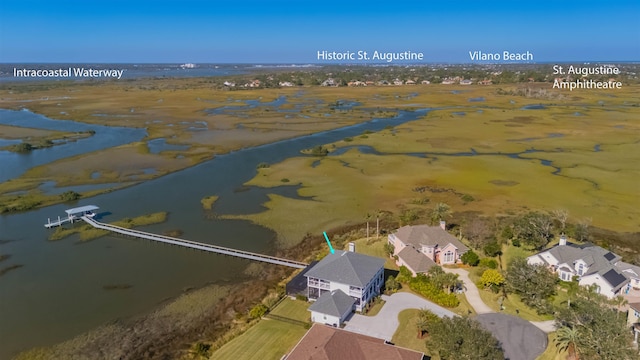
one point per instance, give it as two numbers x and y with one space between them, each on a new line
591 264
356 275
422 246
332 308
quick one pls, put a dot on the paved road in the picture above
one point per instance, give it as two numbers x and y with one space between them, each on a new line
472 293
520 340
385 323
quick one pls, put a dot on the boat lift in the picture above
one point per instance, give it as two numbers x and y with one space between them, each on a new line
72 215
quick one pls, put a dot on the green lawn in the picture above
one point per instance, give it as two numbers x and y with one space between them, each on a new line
551 353
293 309
510 252
407 334
269 339
375 247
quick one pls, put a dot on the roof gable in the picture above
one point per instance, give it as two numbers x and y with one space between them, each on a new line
420 235
334 303
416 260
347 267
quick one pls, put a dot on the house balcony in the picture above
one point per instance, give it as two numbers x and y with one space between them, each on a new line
320 284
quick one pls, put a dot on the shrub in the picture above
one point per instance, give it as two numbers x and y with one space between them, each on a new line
467 198
70 196
492 249
22 147
405 275
392 285
284 180
301 297
470 258
258 311
424 287
488 263
263 165
348 139
516 242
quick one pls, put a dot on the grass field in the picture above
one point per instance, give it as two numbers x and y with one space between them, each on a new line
269 339
407 333
507 158
293 309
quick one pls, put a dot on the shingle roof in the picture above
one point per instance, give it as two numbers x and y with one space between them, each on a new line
416 260
326 343
347 267
635 306
419 235
614 278
628 270
596 258
334 303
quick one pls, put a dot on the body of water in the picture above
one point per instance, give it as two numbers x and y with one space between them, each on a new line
58 293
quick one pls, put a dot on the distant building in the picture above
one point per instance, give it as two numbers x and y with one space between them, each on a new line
409 82
285 84
591 264
327 343
425 82
421 247
466 82
329 82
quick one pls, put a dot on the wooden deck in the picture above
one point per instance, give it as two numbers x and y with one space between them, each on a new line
195 245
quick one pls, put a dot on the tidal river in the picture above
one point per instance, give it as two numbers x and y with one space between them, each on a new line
58 292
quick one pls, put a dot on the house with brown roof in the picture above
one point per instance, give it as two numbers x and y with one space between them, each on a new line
326 343
422 246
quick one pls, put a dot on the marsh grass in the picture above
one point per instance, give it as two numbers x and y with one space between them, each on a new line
88 232
208 202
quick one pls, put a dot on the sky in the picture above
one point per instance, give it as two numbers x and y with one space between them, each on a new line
294 31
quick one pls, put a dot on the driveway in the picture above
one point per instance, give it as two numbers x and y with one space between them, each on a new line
472 293
385 323
520 340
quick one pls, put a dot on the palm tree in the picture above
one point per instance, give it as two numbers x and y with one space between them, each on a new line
566 340
619 302
439 212
368 217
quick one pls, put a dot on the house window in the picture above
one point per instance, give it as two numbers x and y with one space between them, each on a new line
580 269
448 257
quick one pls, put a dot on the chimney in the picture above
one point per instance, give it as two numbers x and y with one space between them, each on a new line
352 247
563 240
443 224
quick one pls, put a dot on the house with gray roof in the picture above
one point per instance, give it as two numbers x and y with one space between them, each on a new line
422 246
591 264
332 308
356 275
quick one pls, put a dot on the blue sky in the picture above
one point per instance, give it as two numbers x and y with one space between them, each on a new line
293 31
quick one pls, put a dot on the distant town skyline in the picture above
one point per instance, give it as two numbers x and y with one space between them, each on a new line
294 32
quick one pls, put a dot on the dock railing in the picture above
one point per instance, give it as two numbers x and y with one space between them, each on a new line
195 245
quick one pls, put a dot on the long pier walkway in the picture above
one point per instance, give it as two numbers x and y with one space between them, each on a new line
195 245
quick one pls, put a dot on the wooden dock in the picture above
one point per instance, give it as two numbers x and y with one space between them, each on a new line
195 245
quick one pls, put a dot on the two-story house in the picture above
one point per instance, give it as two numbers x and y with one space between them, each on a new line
590 264
339 276
422 246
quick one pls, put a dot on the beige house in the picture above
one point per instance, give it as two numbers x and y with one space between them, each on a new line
633 320
422 246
